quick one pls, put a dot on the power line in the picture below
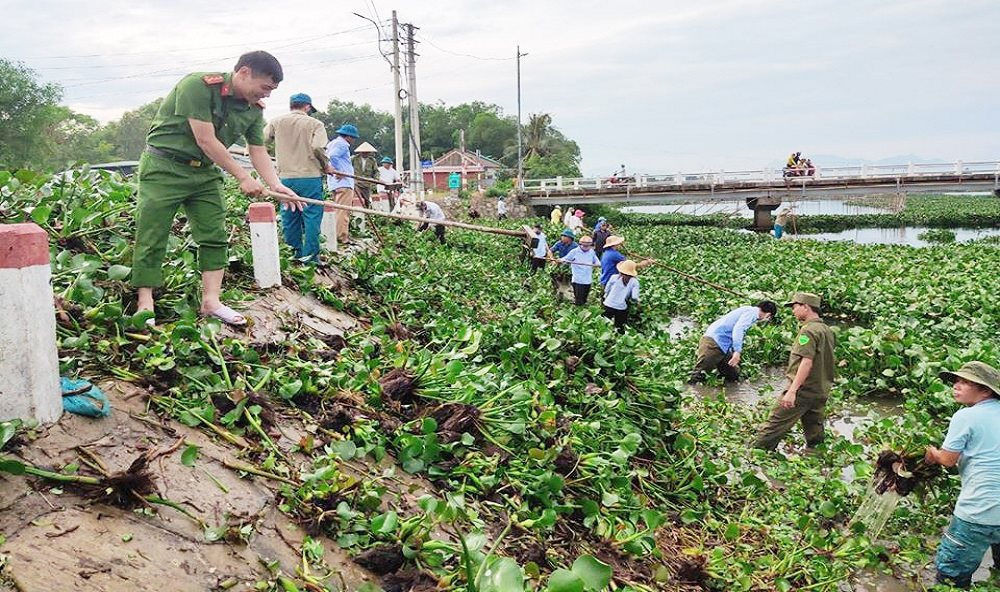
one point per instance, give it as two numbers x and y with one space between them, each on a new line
184 49
148 65
466 55
172 69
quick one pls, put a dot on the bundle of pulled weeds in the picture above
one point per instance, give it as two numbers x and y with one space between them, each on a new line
902 473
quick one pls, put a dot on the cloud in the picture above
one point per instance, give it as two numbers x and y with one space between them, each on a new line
662 86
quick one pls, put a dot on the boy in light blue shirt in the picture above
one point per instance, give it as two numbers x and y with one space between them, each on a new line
972 443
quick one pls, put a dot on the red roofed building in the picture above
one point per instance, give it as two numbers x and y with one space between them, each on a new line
475 169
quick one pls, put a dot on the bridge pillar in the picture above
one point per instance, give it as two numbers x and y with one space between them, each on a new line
762 208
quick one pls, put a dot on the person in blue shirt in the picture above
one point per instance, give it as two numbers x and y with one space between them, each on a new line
565 244
338 152
622 287
611 258
972 443
582 262
722 345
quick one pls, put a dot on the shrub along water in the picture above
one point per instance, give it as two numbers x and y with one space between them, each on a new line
580 443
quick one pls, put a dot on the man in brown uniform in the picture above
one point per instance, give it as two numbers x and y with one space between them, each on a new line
810 372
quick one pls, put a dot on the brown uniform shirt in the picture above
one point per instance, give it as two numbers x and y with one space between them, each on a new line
815 341
299 145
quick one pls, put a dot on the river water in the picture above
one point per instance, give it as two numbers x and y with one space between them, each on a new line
739 208
907 235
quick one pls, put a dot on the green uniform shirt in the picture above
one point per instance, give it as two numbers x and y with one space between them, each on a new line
815 341
205 96
365 166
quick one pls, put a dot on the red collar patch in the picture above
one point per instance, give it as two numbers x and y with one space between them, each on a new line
226 90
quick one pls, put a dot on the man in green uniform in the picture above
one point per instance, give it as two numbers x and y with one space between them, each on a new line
192 131
365 165
810 375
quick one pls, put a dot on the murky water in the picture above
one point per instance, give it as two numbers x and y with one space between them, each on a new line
768 385
739 208
907 235
678 327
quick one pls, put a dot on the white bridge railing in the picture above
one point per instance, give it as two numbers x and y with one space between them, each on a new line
666 181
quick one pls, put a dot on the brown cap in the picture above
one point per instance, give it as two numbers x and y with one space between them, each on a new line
805 298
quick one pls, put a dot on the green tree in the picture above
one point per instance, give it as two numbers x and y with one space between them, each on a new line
375 127
127 135
73 138
27 109
547 152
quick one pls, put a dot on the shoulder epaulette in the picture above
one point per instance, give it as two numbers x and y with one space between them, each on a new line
212 79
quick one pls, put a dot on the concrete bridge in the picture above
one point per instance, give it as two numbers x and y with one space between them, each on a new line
764 190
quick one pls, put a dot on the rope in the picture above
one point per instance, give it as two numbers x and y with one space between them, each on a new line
336 206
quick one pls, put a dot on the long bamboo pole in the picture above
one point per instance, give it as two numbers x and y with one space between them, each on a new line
336 206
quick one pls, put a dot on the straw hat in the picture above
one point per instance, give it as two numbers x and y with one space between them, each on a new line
365 147
978 372
628 267
613 241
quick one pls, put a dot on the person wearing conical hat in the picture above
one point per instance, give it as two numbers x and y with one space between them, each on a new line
622 287
365 165
810 377
973 444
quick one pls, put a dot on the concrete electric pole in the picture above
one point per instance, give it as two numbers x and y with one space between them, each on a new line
416 170
520 155
397 100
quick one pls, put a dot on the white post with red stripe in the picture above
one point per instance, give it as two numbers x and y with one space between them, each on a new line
264 244
29 361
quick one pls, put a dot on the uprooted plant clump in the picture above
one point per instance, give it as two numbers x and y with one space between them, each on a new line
901 473
553 450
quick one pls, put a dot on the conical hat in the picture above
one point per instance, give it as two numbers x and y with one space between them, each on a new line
365 147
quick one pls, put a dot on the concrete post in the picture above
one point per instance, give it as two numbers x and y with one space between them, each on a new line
328 228
910 169
864 170
559 185
576 183
264 244
597 183
959 168
29 361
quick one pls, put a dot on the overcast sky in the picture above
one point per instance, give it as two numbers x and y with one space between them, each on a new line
659 86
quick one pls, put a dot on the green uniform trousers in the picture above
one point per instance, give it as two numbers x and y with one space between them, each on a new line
808 408
165 186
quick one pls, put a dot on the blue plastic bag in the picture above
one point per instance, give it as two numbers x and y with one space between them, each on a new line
93 403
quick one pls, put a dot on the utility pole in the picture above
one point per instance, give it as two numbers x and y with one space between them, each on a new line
520 156
416 169
397 100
